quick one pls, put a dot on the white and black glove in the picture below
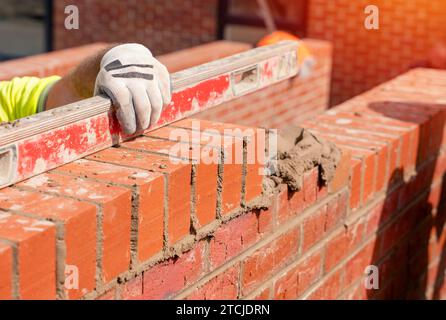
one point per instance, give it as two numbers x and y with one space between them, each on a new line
137 84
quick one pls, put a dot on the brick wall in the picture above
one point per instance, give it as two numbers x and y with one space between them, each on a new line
139 226
365 58
163 26
48 64
395 136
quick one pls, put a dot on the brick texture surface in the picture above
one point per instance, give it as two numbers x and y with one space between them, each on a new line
365 58
163 26
141 226
48 64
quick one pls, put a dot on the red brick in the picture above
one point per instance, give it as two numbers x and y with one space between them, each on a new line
335 213
255 144
372 124
406 124
342 244
330 288
296 202
255 165
205 160
222 287
233 237
48 64
5 271
115 205
428 118
78 222
355 267
310 186
285 288
35 242
314 228
209 137
132 289
265 260
369 174
265 221
166 279
178 184
284 206
440 167
285 247
361 141
149 192
416 184
343 203
298 279
391 141
355 189
232 182
359 292
309 271
374 219
322 190
393 233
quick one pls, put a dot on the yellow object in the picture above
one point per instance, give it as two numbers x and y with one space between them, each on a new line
23 97
305 59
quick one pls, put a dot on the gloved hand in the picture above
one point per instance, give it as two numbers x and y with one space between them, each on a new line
137 84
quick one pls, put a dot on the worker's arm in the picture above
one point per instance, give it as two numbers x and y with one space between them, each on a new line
76 85
137 83
25 96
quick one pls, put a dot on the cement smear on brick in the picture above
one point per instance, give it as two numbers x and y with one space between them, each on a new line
299 151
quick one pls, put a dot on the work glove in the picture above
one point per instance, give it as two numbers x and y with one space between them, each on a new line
137 84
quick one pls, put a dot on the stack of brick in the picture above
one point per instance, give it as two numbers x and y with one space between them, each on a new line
138 225
120 210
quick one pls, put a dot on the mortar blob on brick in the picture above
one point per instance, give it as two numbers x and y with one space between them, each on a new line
299 151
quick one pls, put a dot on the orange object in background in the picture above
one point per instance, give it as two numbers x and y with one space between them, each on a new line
276 37
437 56
305 59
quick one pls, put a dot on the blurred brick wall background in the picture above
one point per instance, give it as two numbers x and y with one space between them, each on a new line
364 58
163 26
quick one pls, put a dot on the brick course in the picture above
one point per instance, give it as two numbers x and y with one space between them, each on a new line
385 207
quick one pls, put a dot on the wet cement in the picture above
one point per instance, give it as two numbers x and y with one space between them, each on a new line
299 151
